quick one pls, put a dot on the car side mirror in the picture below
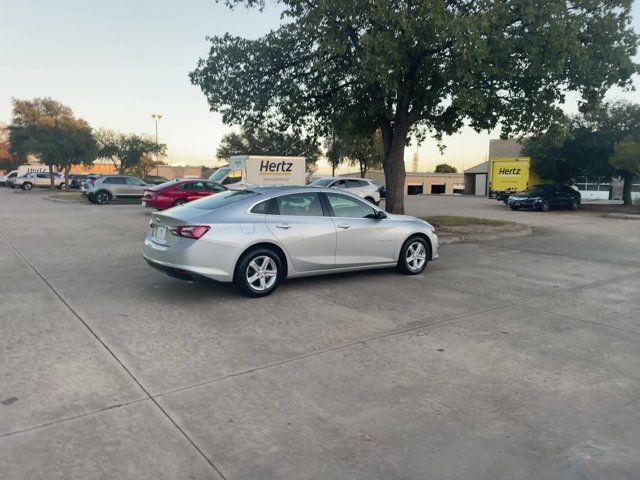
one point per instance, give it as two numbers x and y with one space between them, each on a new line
379 215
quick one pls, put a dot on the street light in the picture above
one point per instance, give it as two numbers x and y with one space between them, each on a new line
156 118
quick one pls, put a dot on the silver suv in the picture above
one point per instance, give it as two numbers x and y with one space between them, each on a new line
110 187
40 179
357 186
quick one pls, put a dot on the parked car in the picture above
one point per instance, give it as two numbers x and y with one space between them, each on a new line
40 179
104 189
4 179
154 179
256 238
545 197
361 187
177 192
76 180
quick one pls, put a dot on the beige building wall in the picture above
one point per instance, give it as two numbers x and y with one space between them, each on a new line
172 171
450 182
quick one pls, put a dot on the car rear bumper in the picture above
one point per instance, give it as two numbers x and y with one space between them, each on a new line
193 258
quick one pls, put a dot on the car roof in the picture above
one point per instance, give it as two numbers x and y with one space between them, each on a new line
341 178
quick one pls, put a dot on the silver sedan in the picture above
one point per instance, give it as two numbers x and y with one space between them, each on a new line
256 238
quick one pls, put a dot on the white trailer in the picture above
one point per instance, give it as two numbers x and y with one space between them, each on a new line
24 169
247 170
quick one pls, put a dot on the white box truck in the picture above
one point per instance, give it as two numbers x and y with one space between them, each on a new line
246 170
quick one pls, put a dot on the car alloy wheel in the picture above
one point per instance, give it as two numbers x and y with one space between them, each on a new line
544 206
27 186
102 198
259 272
413 256
574 204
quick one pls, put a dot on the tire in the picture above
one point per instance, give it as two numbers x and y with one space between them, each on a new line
61 186
370 200
514 208
575 204
27 186
251 264
102 197
545 206
178 202
408 263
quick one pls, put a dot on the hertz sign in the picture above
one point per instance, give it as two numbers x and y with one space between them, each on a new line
510 174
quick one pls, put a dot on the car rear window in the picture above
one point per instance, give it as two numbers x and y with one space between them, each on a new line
223 199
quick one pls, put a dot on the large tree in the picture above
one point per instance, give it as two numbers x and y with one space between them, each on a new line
126 150
265 141
598 144
445 168
417 68
49 130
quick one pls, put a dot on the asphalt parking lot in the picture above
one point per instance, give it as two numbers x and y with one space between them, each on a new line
511 359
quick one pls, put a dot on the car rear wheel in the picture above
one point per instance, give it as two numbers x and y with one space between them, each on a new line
544 206
27 186
414 256
102 198
575 204
178 202
259 272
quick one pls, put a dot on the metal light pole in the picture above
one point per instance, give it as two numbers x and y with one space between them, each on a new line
156 118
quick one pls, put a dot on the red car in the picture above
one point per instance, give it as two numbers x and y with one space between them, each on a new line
177 192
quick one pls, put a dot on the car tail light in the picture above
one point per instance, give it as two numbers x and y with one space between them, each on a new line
190 231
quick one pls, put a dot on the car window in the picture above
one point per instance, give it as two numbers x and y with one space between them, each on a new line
261 207
364 183
321 182
353 184
338 184
234 177
192 186
134 181
114 180
213 187
42 175
301 204
348 207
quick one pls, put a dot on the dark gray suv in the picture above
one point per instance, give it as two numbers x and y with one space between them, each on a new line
110 187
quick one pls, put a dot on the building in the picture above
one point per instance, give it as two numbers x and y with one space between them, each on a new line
476 179
418 183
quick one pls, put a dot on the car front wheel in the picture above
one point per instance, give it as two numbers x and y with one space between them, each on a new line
414 256
514 208
575 204
259 272
544 206
27 186
102 198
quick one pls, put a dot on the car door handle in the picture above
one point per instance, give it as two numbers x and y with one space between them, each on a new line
344 226
284 226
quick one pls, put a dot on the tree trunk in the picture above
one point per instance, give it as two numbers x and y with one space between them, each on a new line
394 170
627 178
333 169
66 175
52 184
363 169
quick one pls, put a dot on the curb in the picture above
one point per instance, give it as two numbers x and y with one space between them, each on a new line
521 231
623 216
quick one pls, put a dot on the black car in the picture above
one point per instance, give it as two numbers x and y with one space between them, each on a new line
155 179
544 197
76 181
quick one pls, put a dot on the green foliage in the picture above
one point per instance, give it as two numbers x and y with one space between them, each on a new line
48 130
263 141
445 168
585 145
127 150
626 155
417 68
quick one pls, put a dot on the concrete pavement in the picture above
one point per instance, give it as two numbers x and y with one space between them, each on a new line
516 358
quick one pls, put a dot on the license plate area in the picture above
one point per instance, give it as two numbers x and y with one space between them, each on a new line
159 233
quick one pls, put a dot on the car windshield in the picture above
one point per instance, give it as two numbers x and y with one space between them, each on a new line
219 174
321 182
222 199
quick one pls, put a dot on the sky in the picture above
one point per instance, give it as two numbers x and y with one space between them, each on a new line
117 62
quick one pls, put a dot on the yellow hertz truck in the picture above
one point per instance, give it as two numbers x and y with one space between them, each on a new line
510 174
